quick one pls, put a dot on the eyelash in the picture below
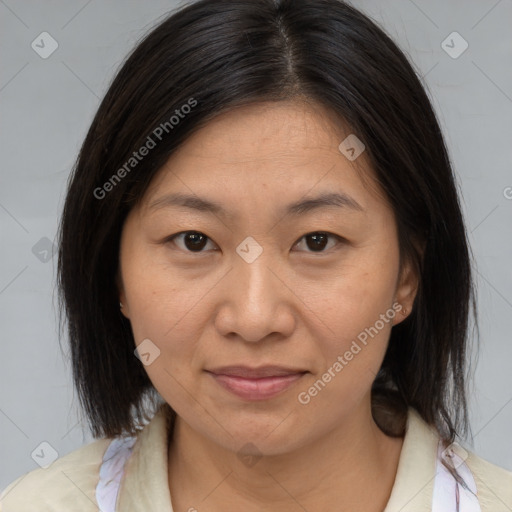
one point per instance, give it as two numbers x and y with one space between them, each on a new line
330 235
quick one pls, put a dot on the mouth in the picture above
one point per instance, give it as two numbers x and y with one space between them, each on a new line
256 383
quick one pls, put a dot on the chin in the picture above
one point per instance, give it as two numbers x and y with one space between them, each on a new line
268 435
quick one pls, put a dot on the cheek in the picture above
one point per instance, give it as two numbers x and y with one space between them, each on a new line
361 291
357 315
166 325
350 362
170 310
159 300
165 313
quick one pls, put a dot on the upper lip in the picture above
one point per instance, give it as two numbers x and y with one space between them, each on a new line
255 373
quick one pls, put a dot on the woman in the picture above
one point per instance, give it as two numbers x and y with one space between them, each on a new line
266 277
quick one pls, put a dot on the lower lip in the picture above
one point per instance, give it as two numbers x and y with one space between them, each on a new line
256 389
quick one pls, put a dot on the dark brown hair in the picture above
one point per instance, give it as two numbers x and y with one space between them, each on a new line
214 56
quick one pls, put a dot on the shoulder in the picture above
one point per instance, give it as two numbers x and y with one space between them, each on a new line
71 478
419 463
494 484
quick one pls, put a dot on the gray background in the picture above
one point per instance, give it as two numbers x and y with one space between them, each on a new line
48 104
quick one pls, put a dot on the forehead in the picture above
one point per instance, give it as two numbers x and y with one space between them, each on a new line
266 152
296 123
291 130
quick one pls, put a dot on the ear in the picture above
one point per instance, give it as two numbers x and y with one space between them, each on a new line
122 295
406 291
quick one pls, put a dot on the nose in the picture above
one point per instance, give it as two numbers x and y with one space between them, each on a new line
256 302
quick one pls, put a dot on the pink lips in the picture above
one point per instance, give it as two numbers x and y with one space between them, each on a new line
256 383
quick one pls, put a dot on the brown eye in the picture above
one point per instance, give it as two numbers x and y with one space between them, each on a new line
318 241
191 241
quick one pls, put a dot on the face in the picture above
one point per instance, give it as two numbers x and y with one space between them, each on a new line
264 324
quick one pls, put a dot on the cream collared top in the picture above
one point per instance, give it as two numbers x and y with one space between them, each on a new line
130 475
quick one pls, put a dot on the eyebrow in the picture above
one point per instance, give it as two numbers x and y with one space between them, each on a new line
301 207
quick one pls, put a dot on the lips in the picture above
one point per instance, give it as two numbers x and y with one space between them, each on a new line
255 373
256 383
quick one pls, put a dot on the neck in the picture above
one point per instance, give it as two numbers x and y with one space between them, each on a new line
352 467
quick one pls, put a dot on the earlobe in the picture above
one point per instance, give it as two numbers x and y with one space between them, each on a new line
402 314
123 308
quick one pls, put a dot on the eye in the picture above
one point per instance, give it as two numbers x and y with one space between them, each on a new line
318 240
192 241
195 241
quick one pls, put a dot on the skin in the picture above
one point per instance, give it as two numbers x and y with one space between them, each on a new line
291 306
